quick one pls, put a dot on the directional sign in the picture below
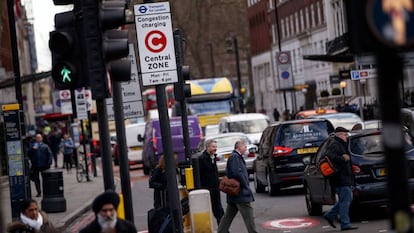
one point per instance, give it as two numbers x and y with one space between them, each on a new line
81 104
155 43
363 74
131 93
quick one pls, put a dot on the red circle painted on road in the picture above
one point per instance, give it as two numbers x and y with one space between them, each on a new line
290 223
155 41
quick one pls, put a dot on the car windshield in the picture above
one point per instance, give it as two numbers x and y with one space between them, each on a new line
249 126
229 141
296 135
211 107
368 145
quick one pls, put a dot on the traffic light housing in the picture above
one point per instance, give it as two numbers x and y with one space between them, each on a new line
102 48
65 47
181 89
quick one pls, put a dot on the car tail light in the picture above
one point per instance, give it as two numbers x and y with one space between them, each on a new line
94 142
217 159
251 154
356 169
280 150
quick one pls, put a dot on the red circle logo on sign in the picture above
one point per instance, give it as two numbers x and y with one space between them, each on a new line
155 41
290 223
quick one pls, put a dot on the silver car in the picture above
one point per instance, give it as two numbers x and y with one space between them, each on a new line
225 145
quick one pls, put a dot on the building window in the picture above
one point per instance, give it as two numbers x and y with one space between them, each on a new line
312 16
297 22
307 22
292 27
301 19
318 8
282 26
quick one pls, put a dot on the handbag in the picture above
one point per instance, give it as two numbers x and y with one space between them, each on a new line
229 186
326 167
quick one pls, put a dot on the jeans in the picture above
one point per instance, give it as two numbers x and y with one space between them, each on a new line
341 207
246 211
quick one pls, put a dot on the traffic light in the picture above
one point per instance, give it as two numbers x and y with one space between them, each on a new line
65 48
182 89
102 48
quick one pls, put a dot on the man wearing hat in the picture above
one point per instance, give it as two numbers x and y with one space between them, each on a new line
342 181
106 220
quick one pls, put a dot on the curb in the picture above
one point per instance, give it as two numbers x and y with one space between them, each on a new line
62 225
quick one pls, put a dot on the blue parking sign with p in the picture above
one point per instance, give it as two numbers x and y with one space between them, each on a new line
355 75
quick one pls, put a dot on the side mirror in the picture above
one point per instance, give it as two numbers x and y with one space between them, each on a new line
140 138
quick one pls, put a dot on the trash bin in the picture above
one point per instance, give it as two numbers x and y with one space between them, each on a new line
200 211
53 200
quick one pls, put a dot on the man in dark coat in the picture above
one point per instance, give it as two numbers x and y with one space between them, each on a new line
106 220
209 178
342 181
236 168
40 157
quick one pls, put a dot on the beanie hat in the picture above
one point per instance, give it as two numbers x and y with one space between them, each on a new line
340 129
107 197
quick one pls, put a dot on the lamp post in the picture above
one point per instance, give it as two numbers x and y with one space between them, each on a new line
232 45
343 85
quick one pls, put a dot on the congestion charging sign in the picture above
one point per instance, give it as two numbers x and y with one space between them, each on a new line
155 43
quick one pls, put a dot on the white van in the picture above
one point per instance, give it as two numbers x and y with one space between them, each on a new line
132 132
252 124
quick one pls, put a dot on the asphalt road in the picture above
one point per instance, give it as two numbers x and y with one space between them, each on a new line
283 213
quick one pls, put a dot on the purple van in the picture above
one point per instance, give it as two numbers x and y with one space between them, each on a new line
153 141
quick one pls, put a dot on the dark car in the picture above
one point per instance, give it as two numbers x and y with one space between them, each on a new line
368 166
282 148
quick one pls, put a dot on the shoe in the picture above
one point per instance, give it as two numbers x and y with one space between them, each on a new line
38 195
330 221
349 228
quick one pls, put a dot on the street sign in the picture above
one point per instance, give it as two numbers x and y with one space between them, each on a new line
363 74
131 93
284 70
155 43
65 102
81 104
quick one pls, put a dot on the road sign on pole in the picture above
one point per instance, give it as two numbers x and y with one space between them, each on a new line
363 74
155 43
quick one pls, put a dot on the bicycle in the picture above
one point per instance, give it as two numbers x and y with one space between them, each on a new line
80 168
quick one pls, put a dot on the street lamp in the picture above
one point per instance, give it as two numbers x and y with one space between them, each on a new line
342 84
231 44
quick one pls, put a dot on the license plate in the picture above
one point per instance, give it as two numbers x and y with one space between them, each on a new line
136 148
380 172
226 156
307 150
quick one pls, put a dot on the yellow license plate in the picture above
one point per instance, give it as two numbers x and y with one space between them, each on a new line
381 172
226 156
307 150
136 148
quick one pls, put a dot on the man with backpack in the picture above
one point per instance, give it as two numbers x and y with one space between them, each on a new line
342 180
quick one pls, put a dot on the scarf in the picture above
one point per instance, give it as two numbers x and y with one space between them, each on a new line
36 224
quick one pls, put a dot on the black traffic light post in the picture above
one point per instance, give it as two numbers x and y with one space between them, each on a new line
366 21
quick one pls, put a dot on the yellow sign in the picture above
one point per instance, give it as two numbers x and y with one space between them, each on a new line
10 107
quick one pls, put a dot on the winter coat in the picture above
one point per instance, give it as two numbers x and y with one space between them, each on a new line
344 177
67 146
19 227
40 155
236 168
208 171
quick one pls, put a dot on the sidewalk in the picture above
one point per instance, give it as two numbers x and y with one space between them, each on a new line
79 197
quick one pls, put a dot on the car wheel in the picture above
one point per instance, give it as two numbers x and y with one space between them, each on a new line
272 189
260 188
313 208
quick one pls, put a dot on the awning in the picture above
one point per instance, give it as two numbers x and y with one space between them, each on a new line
330 58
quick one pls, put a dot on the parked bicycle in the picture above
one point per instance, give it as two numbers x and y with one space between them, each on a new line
81 173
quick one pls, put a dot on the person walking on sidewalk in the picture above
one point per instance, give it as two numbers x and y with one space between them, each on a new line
158 182
40 157
342 181
67 147
106 220
209 178
236 168
31 220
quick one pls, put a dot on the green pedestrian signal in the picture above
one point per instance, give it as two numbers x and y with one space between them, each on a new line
66 75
